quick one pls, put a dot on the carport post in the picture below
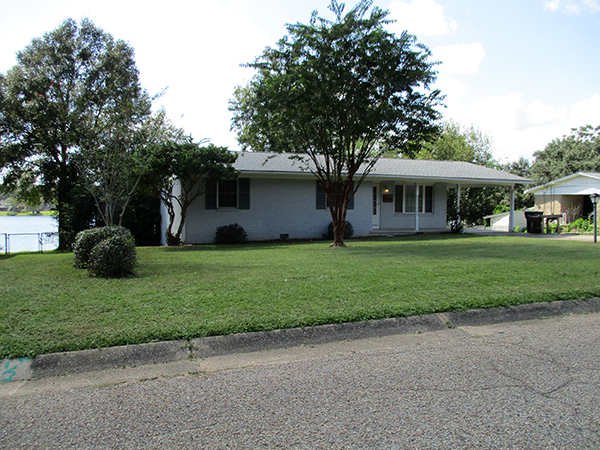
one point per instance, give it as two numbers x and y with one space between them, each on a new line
511 219
458 202
416 206
594 198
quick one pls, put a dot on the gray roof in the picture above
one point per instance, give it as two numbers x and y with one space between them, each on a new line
593 175
464 173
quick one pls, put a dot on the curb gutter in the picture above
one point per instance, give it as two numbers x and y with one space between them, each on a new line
56 364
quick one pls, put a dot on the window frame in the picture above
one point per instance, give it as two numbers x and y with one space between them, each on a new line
227 194
323 201
406 203
214 196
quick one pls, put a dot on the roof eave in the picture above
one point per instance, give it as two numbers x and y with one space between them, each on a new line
449 180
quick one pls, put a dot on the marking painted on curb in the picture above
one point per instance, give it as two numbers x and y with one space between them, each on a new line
15 370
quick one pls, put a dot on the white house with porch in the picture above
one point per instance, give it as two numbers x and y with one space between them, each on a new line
276 197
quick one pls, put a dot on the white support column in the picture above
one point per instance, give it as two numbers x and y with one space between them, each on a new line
511 219
458 200
416 206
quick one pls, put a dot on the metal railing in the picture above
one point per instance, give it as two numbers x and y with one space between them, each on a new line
42 238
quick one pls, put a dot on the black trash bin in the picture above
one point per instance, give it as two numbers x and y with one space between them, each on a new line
534 221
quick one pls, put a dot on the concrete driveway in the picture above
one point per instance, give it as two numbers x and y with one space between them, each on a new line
567 236
530 384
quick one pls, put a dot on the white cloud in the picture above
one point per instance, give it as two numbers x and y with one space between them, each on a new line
459 59
455 92
511 113
538 114
187 50
421 17
517 128
585 112
573 6
451 87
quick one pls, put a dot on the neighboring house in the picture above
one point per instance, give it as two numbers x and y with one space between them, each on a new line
568 196
277 197
501 222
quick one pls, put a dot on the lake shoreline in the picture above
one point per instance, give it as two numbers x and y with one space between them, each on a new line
28 233
28 214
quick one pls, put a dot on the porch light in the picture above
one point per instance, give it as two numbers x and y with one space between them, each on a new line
594 198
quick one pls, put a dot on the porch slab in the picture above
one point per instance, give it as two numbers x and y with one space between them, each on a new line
395 233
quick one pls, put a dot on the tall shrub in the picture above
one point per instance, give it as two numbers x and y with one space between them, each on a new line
88 239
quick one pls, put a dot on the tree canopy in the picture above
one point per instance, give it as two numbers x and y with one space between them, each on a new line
577 152
459 143
341 92
74 88
112 169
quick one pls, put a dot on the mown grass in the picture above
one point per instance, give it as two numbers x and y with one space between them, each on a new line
29 213
46 305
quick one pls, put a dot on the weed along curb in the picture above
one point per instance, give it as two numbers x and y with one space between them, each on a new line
56 364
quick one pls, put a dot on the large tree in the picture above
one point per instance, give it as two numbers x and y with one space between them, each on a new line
114 164
70 90
577 152
341 92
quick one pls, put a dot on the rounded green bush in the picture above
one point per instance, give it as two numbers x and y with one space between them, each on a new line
231 234
348 231
113 257
86 240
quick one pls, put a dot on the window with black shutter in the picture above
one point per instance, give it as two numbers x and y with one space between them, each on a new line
322 202
228 194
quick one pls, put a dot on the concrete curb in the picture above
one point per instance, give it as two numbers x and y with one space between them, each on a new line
56 364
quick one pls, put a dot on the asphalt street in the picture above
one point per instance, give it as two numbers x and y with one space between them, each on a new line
531 384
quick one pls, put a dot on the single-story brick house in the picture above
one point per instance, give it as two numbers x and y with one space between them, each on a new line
568 196
276 197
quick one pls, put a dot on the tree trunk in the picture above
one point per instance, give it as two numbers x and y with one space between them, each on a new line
64 241
65 232
339 209
181 223
339 228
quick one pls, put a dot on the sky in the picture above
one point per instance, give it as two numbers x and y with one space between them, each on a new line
524 72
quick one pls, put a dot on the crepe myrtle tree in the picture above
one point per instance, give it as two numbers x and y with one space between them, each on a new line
193 166
338 94
115 162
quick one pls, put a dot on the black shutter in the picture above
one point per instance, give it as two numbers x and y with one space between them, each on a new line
351 202
244 193
211 194
321 197
399 198
428 199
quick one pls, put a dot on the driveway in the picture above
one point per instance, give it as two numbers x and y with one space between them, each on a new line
567 236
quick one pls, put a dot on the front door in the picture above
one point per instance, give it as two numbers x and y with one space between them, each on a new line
376 207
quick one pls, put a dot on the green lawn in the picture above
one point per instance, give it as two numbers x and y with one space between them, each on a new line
46 305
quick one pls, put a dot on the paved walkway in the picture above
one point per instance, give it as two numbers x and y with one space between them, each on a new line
527 384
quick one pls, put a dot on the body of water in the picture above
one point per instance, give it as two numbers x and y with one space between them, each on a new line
19 239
